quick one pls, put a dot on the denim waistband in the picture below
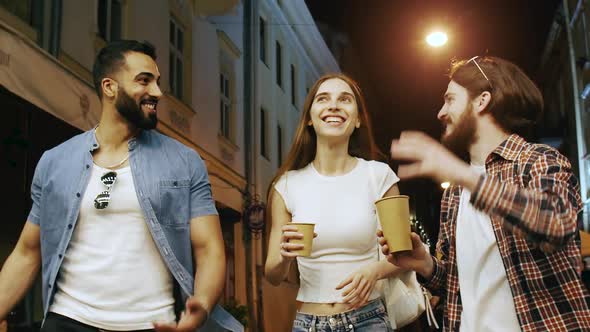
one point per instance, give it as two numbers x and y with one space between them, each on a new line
370 310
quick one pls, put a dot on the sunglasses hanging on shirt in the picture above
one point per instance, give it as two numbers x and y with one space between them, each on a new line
103 198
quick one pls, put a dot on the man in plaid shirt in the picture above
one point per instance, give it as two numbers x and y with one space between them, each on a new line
508 255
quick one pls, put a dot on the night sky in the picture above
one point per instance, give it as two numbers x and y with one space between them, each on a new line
407 75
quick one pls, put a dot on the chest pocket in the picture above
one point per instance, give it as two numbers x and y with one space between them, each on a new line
174 202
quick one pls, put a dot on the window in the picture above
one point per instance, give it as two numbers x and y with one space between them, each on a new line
176 58
262 37
109 19
22 9
229 56
280 145
293 87
225 106
279 65
263 134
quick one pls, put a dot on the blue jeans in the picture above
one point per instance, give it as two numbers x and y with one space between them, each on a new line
370 317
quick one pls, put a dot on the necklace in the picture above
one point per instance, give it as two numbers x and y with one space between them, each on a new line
119 163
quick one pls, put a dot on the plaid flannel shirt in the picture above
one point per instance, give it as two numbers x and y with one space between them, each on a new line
532 199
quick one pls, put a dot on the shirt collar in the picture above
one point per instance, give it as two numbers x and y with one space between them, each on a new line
93 144
91 140
509 149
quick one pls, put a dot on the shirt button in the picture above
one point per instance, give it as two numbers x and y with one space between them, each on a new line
175 183
70 226
87 166
60 256
77 194
49 285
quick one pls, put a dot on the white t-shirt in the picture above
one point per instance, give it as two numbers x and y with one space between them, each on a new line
342 207
485 293
112 276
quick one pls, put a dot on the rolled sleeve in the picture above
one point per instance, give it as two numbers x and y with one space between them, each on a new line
36 192
201 199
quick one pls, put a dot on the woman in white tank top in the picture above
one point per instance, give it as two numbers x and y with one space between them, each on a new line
330 179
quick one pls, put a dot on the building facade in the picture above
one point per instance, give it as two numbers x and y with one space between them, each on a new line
564 77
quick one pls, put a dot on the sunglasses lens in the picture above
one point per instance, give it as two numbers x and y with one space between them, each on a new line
108 178
102 200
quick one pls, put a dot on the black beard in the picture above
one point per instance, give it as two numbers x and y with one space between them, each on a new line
131 111
463 136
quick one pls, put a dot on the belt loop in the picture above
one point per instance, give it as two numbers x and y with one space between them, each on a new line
346 320
312 324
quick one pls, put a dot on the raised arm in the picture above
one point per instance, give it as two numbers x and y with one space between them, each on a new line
545 211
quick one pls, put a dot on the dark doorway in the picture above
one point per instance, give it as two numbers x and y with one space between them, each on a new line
26 131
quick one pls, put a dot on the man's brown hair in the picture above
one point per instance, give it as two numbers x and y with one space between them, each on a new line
516 102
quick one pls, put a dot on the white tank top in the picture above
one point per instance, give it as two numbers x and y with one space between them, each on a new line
342 207
112 276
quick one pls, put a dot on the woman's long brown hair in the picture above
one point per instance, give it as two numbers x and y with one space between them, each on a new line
303 149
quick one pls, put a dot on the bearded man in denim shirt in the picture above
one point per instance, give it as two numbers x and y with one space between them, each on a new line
123 224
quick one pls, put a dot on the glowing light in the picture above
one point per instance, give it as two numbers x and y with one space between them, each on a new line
445 185
437 39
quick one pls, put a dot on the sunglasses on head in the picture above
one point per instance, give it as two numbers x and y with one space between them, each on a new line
480 70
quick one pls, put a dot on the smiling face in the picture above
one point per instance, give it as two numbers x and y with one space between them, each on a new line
334 111
139 91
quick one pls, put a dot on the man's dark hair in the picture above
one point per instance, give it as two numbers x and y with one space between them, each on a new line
112 57
516 102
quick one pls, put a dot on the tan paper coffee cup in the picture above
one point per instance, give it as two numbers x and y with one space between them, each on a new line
394 217
307 230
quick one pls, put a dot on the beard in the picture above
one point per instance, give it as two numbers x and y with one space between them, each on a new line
131 111
460 139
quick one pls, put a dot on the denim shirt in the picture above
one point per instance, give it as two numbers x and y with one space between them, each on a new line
172 187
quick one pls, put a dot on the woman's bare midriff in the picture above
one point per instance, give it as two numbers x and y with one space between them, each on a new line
323 309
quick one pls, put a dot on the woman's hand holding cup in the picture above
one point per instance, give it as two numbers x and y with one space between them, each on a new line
289 232
295 240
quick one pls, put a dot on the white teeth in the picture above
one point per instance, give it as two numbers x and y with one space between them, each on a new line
333 119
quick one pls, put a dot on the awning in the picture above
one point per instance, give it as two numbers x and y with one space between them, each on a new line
213 7
31 73
225 193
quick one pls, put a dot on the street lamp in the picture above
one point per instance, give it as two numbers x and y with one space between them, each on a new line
437 39
445 185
